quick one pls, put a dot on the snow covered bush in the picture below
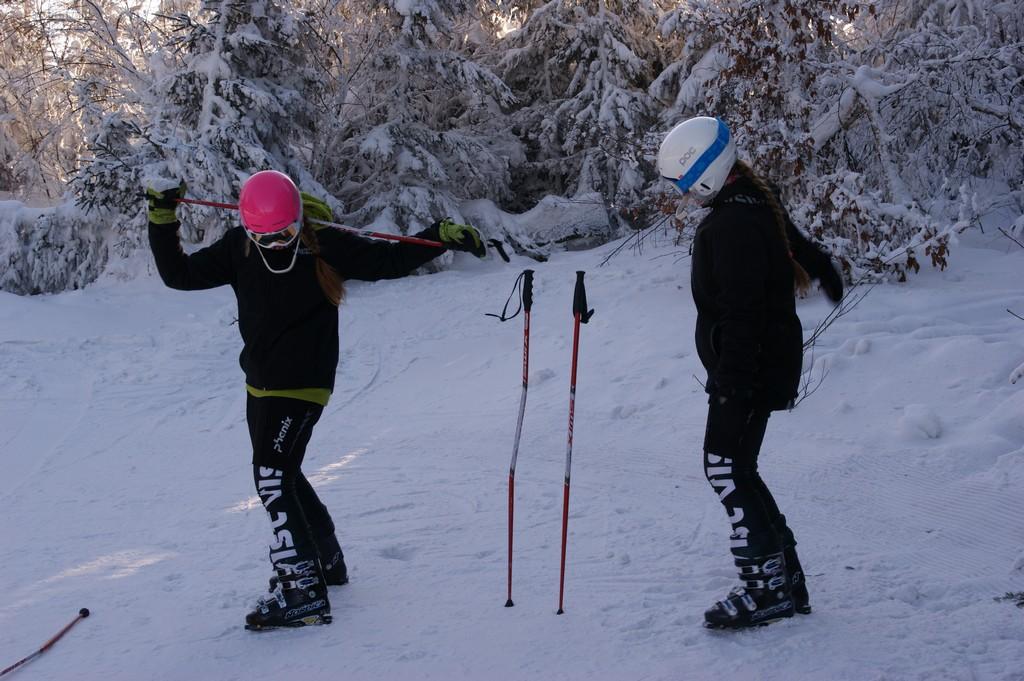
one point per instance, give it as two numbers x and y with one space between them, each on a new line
924 133
67 252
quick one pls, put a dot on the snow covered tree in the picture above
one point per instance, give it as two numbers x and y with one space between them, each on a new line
878 118
935 114
38 133
581 69
74 60
757 66
419 121
232 93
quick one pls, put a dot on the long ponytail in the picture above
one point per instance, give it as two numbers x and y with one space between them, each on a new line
801 280
331 282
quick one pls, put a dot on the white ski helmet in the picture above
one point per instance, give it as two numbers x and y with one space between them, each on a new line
697 155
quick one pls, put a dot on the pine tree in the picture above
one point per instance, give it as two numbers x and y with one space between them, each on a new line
232 93
420 120
581 69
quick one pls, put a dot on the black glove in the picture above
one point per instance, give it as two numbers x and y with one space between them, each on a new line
460 237
831 282
163 205
727 422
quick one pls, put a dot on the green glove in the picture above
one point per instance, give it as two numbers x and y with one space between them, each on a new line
461 237
316 209
163 205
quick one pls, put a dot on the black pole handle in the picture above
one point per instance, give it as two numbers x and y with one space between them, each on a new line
527 289
579 300
494 243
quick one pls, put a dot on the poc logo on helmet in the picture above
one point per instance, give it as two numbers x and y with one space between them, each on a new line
687 156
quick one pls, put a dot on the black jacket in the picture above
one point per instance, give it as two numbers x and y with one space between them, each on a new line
289 328
748 335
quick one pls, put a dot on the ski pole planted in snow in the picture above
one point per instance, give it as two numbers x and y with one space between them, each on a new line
526 303
82 614
581 315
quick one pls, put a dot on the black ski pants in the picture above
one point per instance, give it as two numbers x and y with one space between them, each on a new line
280 428
732 444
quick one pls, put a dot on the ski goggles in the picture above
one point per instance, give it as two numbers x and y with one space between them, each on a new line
275 241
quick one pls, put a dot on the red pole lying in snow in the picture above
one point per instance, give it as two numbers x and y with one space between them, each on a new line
82 614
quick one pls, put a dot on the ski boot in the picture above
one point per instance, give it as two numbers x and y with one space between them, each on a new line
795 573
763 598
332 562
797 581
299 599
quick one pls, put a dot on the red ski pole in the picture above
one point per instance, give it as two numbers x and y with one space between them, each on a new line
82 614
527 304
580 316
344 228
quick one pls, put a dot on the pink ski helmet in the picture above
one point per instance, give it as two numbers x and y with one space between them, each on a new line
270 207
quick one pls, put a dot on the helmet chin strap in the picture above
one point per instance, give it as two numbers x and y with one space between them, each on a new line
295 255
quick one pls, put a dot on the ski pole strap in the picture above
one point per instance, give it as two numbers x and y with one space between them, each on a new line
524 286
579 300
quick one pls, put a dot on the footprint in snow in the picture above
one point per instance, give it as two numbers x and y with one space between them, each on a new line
920 422
623 411
856 346
541 376
398 552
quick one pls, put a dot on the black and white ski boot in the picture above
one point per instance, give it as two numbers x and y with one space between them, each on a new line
332 562
797 581
299 599
763 598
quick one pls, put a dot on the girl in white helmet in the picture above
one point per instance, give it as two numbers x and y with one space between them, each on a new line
748 263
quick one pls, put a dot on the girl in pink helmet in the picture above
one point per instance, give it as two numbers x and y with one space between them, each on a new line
288 277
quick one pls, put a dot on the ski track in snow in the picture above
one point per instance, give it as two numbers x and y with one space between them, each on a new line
128 488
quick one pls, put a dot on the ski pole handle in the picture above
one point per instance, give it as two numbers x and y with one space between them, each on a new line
527 290
579 300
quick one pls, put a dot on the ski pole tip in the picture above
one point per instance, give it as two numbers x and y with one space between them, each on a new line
84 612
509 603
560 612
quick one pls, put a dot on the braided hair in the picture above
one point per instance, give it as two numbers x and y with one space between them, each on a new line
801 280
331 282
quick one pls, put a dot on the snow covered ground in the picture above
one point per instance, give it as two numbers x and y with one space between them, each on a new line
127 487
